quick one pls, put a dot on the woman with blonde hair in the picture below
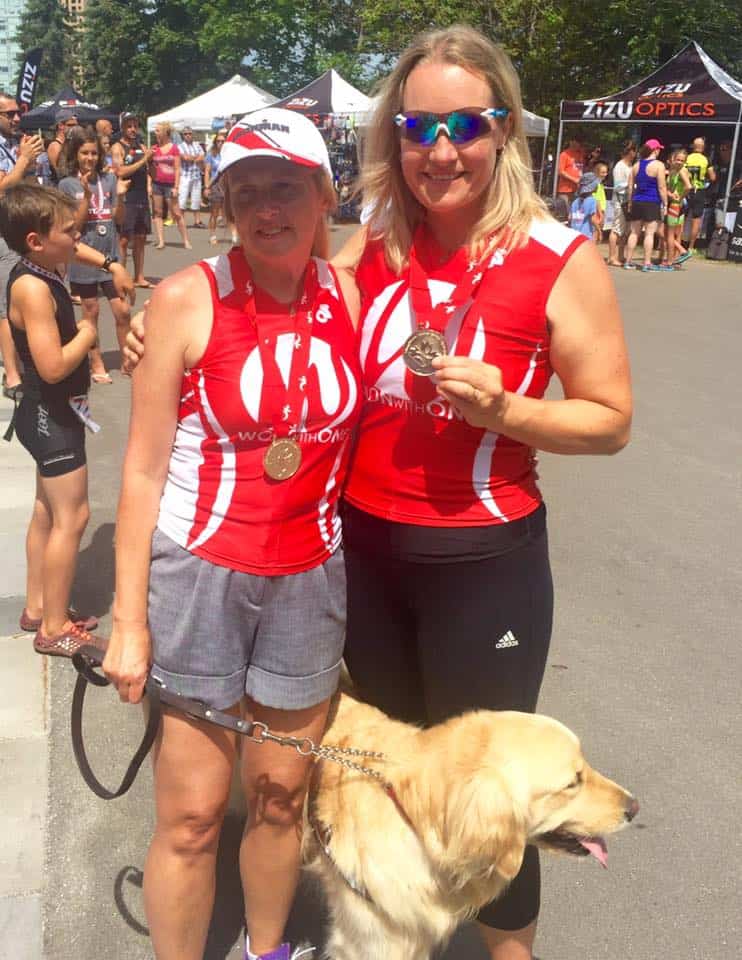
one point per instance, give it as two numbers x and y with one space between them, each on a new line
472 295
164 170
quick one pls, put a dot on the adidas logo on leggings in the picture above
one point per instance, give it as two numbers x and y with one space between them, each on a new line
506 640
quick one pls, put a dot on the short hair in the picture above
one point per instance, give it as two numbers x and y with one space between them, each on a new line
510 201
601 163
68 165
166 127
31 208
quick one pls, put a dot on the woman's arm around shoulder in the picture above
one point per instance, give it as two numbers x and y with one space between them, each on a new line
351 294
349 255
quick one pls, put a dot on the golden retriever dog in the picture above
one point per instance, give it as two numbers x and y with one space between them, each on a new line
402 871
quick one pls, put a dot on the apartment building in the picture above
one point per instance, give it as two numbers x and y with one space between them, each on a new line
10 16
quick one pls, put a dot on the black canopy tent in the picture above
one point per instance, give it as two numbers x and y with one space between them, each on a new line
44 116
690 88
327 94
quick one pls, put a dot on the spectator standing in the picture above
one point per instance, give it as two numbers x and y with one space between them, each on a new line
129 159
64 120
191 174
701 174
164 170
571 165
648 193
104 128
678 186
620 225
600 169
100 206
18 159
725 176
39 225
212 188
584 214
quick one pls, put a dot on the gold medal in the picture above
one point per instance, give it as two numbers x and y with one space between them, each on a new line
282 458
421 348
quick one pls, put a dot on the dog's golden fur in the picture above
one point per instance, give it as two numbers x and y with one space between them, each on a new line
476 790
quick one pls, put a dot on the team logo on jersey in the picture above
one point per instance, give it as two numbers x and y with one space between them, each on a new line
385 331
329 389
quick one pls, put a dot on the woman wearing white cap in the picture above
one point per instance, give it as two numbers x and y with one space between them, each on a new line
230 582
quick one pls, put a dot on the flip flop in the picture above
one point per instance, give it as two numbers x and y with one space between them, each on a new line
101 378
146 285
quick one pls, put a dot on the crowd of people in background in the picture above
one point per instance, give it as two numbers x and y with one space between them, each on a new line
659 197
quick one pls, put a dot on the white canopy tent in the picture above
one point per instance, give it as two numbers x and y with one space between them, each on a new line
236 96
534 125
537 127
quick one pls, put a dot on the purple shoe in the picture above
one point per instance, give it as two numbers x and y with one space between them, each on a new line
284 952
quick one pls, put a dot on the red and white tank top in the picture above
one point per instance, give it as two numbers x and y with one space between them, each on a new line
218 502
417 461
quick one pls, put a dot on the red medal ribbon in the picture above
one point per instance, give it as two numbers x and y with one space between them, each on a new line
287 401
436 318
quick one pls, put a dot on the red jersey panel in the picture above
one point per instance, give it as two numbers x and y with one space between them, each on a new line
218 502
417 461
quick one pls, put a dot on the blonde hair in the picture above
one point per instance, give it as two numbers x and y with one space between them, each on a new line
323 183
511 201
166 128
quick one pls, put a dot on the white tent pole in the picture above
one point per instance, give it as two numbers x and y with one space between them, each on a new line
543 160
558 151
730 177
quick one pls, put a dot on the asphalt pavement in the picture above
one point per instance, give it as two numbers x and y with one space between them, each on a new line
644 666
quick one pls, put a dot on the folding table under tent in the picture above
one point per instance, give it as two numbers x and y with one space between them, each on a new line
690 88
43 116
235 97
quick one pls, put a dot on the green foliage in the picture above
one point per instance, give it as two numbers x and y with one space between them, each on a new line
149 55
43 25
144 56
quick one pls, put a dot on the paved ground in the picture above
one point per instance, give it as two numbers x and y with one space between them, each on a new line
644 666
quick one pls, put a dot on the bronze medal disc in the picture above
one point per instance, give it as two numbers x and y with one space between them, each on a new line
421 349
282 458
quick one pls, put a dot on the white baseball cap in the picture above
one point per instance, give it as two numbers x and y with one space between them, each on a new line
275 132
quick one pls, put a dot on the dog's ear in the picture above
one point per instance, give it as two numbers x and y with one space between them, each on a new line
484 835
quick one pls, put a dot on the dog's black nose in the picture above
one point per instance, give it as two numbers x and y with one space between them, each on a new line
632 809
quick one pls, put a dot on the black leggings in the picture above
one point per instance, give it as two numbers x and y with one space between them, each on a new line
427 641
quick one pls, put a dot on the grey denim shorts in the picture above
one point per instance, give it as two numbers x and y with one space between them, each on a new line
218 634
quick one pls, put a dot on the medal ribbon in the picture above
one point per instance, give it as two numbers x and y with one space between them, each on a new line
436 318
286 400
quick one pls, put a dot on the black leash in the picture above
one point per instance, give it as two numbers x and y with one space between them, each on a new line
87 658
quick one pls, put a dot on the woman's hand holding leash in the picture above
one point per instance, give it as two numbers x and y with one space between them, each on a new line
128 659
472 387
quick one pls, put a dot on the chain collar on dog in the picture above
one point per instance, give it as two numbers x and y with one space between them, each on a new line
88 658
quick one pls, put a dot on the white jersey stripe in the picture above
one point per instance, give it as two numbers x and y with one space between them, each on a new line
331 537
228 472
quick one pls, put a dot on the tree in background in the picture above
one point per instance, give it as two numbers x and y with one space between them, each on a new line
144 55
43 25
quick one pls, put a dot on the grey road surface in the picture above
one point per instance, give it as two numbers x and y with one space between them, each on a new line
644 666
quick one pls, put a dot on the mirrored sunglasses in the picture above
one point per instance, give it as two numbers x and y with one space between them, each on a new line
460 126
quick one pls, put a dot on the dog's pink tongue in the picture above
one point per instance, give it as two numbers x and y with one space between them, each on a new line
597 848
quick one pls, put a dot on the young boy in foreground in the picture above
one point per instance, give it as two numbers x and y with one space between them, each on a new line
39 224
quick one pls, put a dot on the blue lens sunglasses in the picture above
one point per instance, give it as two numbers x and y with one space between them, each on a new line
461 126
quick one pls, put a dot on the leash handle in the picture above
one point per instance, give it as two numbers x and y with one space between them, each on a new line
85 660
